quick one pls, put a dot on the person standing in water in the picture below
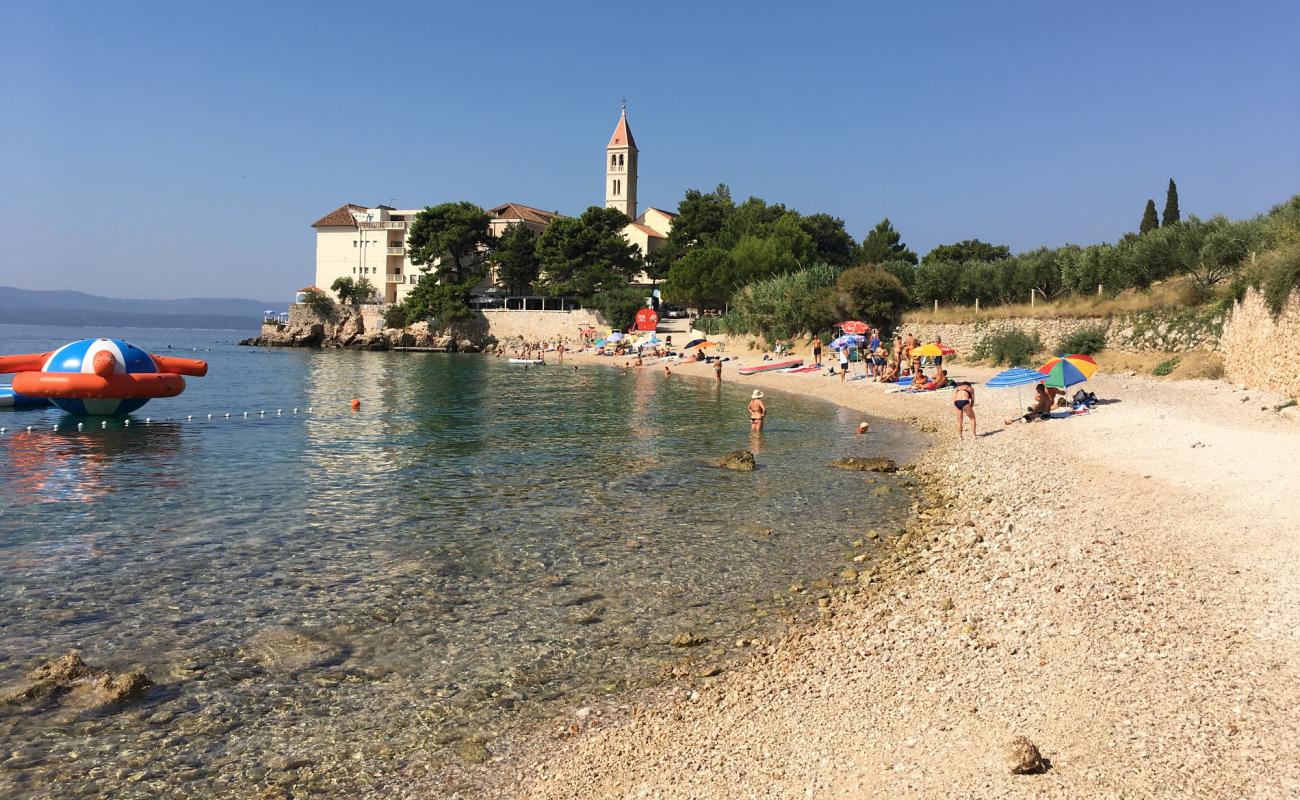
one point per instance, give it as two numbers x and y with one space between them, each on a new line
757 412
717 370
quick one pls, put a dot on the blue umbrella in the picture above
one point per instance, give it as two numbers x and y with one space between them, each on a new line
847 340
1015 377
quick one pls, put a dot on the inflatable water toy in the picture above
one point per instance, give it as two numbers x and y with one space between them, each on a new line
772 366
11 399
536 362
99 376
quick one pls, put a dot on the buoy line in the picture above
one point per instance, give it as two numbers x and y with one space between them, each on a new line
260 415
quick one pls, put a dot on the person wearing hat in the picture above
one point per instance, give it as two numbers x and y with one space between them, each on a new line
757 412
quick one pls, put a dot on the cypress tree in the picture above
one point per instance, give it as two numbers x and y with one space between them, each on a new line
1171 205
1149 219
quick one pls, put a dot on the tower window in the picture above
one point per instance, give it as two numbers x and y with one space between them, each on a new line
618 185
613 160
620 159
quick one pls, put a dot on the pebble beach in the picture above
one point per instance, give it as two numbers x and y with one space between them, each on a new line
1117 590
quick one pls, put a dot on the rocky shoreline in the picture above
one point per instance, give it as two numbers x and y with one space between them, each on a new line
1037 631
350 329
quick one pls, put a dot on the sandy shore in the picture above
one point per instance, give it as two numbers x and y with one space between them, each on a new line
1119 588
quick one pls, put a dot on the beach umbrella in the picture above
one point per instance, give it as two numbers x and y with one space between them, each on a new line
702 344
692 343
847 340
599 342
854 326
1019 376
614 337
926 350
1064 371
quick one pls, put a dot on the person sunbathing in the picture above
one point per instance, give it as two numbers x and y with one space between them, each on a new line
1041 409
891 373
940 380
919 381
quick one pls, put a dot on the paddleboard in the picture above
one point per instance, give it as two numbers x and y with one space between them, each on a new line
772 366
535 362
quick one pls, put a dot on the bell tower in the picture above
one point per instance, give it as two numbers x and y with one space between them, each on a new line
620 168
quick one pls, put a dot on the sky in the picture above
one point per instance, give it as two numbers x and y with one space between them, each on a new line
168 150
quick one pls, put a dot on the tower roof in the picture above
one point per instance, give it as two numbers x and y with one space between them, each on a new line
622 134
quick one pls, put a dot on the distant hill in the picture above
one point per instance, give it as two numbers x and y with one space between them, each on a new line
29 307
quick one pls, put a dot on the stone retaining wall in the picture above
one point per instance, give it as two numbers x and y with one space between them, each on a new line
1161 330
536 326
1259 349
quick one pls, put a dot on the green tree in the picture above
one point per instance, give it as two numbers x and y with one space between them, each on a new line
969 250
700 218
904 270
782 306
516 259
870 293
1149 219
451 234
1171 205
437 303
832 244
937 280
587 254
353 291
618 306
705 277
882 244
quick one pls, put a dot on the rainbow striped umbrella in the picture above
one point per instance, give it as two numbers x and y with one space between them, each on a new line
1064 371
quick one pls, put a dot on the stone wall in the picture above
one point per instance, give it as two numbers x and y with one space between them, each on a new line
1161 330
1259 349
536 326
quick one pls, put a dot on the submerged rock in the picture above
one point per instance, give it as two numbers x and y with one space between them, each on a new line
739 460
286 650
865 464
67 680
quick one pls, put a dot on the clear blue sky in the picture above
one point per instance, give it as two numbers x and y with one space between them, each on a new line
183 149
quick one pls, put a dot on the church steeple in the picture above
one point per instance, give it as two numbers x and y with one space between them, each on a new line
620 168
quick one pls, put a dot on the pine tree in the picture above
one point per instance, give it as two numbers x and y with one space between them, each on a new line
1149 219
1171 205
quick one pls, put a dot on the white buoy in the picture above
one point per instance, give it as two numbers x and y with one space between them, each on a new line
279 411
189 417
79 426
104 424
29 428
209 416
227 415
2 430
261 413
126 423
245 415
147 420
295 411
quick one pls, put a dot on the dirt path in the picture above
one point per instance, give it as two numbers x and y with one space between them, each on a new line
1120 588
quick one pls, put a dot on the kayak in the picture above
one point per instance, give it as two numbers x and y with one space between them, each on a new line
772 366
535 362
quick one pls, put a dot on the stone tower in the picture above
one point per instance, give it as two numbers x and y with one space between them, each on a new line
620 169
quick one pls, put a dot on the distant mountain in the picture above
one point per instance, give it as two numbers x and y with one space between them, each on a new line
29 307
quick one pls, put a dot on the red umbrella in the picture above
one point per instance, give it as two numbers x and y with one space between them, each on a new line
854 326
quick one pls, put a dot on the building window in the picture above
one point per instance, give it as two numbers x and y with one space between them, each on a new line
613 160
354 242
620 159
617 187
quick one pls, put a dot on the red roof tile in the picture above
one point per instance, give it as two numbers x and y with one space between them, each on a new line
339 216
622 134
521 211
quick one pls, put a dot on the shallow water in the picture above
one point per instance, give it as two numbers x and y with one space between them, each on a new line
478 543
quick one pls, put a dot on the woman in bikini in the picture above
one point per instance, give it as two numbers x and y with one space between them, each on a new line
963 399
757 412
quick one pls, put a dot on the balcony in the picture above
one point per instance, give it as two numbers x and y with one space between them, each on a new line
397 251
387 225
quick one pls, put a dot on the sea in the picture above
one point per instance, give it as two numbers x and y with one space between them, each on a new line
328 601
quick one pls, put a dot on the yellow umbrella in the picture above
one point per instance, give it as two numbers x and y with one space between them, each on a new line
931 350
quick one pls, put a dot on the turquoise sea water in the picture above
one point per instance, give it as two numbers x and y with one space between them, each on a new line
325 599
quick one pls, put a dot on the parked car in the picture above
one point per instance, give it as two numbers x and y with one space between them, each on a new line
675 312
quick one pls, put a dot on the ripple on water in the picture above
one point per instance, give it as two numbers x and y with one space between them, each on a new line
323 599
